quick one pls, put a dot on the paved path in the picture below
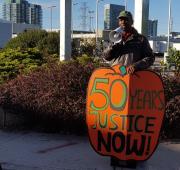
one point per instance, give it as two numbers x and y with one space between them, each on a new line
37 151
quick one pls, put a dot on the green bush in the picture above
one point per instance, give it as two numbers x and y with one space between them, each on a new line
86 47
27 39
27 51
84 59
174 58
50 43
15 61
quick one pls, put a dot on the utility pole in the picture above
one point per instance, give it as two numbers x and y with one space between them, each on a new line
84 16
169 27
12 24
97 2
90 20
65 30
51 7
73 4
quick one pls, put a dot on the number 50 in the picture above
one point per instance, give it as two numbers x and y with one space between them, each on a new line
105 81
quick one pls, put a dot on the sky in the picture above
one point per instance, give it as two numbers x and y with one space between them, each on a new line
158 9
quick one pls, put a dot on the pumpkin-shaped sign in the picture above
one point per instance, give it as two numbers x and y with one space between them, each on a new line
124 112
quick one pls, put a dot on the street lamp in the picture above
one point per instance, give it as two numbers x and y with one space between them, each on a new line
12 29
51 7
168 36
97 1
12 24
73 4
169 26
125 4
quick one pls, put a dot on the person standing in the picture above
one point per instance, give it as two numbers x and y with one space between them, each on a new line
133 50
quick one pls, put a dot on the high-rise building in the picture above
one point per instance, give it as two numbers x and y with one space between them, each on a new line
111 12
21 11
35 14
141 16
152 28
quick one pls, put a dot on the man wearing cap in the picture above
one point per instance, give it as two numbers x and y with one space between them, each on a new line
133 50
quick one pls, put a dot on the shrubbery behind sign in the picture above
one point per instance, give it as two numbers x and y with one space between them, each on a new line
124 112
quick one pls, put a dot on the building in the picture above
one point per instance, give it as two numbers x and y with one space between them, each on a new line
111 12
21 11
152 28
159 44
5 32
9 30
141 16
175 35
35 14
18 27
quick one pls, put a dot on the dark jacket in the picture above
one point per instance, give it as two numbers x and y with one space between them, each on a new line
134 51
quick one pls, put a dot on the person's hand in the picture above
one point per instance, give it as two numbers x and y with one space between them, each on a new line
130 69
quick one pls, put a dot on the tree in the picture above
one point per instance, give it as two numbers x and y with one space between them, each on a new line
174 58
87 46
44 41
27 39
50 43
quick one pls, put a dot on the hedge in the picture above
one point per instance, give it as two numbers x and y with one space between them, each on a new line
54 97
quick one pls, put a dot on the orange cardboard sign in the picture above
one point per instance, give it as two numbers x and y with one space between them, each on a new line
124 112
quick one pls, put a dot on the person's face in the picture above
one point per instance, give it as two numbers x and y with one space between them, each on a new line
124 23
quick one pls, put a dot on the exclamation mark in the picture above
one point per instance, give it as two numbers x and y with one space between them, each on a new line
148 145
